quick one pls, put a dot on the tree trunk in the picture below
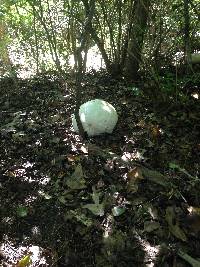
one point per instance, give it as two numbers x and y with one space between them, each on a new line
96 38
135 44
187 50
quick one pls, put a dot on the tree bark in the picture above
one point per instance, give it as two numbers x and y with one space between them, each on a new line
80 65
135 44
187 50
96 38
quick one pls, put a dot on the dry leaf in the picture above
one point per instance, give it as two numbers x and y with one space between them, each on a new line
133 177
135 174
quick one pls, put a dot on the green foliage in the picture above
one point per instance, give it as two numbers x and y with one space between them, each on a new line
97 208
41 35
76 180
22 211
168 84
118 210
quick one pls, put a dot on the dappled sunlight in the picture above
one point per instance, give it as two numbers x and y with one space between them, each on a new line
107 226
26 172
13 252
7 220
26 66
30 200
35 230
195 95
94 59
135 155
151 252
126 191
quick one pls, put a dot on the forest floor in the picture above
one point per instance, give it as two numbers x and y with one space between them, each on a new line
131 198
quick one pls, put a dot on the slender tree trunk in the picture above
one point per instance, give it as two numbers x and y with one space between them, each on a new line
5 60
135 44
96 39
80 64
187 50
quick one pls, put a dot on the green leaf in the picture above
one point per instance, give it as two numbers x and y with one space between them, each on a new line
95 196
22 211
62 199
76 181
150 226
79 215
173 165
117 211
177 167
96 209
25 261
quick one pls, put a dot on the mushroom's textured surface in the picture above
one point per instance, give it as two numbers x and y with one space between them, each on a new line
97 117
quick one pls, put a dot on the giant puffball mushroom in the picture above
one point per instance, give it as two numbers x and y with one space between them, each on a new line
97 117
195 58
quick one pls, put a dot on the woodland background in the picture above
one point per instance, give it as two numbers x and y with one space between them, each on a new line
126 199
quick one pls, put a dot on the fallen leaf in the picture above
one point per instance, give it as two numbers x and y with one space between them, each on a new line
76 181
135 174
173 224
193 262
118 210
45 195
155 177
22 211
155 131
97 208
150 226
62 199
79 215
133 177
25 261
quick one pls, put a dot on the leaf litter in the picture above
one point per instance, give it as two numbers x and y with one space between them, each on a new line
139 185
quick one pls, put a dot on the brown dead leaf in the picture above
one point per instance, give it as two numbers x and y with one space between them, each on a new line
135 174
133 177
155 131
